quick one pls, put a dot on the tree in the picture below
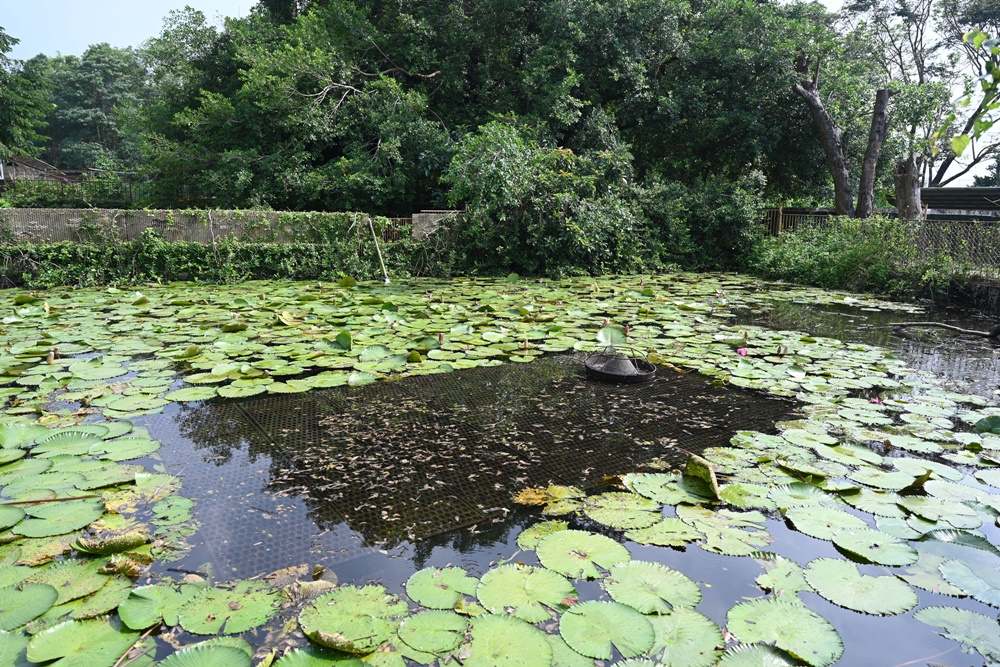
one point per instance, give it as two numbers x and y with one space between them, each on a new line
23 104
87 95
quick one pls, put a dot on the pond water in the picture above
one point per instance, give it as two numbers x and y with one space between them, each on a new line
363 433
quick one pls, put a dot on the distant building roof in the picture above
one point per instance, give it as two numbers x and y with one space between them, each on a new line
961 199
17 166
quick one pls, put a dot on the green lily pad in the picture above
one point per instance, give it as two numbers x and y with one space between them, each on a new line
872 546
148 605
72 579
576 554
505 641
202 393
783 577
137 403
528 539
100 640
13 646
207 654
435 632
66 442
669 532
595 628
727 532
685 637
231 391
104 601
788 625
316 656
355 620
526 592
840 582
124 449
10 515
440 588
8 455
622 510
248 605
22 603
755 655
822 522
982 584
59 518
651 588
20 435
974 631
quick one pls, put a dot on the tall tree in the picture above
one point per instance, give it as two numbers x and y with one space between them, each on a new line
23 103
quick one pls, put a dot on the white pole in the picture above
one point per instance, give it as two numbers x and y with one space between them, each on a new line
378 250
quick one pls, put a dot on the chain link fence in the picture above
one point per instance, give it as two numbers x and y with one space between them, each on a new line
972 246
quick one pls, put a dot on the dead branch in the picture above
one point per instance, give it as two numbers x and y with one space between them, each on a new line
992 333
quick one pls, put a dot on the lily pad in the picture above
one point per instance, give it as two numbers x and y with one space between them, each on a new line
440 588
248 605
788 625
528 539
873 546
651 587
755 655
20 604
148 605
505 641
685 638
355 620
207 654
124 449
202 393
526 592
983 584
435 632
669 532
12 649
10 515
595 628
974 631
576 553
622 510
840 582
59 518
100 640
822 522
72 579
316 656
20 435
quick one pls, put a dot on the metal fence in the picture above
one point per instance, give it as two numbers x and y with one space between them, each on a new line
971 245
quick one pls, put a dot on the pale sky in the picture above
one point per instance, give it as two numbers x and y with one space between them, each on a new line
68 27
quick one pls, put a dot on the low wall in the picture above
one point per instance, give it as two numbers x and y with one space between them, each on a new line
40 225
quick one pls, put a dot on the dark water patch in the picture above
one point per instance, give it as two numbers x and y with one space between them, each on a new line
964 363
329 476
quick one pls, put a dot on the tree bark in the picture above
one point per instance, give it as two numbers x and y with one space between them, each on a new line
906 178
832 138
876 136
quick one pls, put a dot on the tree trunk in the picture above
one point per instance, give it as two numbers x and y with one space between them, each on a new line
832 139
879 129
906 177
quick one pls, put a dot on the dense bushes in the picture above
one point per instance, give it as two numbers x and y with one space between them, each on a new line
153 259
873 255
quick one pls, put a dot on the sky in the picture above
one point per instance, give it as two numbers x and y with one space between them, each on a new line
68 27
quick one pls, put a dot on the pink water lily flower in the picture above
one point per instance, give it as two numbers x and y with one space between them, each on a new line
742 351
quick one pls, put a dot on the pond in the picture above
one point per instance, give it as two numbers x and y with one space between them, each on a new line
421 473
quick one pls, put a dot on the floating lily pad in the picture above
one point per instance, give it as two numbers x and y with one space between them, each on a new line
72 578
207 654
355 620
822 522
20 435
148 605
105 600
529 538
12 649
669 532
440 588
435 632
10 515
872 546
191 394
59 518
316 656
526 592
840 582
124 449
974 631
22 603
65 442
651 587
505 641
783 577
248 605
755 655
595 628
575 553
100 640
683 637
788 625
983 584
622 510
727 532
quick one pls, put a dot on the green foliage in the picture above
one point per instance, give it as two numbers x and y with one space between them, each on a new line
23 103
874 255
536 209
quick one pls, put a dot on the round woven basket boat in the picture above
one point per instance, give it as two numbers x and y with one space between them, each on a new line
619 363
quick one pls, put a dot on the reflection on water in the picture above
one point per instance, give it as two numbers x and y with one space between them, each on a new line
965 363
351 470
